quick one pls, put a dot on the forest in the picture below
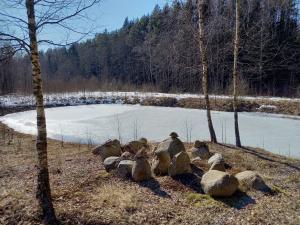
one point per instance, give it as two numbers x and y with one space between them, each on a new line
170 119
160 52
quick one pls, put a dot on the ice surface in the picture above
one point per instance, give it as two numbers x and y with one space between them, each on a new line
97 123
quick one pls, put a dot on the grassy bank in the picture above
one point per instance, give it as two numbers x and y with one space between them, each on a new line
84 193
218 104
14 103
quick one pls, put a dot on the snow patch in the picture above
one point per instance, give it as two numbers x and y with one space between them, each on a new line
267 107
85 98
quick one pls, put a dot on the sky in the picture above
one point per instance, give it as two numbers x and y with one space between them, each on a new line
112 13
109 14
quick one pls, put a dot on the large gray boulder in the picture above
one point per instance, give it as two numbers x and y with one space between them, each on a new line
250 180
219 184
180 164
141 169
108 149
172 145
162 163
111 163
124 168
200 149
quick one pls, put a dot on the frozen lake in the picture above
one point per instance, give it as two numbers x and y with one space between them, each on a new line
97 123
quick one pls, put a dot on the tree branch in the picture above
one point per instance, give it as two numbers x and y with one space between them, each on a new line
77 12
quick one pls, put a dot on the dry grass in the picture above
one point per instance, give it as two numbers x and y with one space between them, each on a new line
84 193
282 107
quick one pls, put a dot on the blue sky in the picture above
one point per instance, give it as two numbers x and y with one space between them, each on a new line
109 14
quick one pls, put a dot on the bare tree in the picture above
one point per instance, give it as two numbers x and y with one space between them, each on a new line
202 10
40 14
6 78
235 72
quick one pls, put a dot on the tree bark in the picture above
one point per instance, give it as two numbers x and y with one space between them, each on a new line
235 72
202 7
43 193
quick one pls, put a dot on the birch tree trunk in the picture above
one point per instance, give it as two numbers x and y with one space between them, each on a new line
43 193
202 7
235 72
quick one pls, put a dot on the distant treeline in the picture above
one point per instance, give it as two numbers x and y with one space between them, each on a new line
160 52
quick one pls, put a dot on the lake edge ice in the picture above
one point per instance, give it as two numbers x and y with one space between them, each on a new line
222 122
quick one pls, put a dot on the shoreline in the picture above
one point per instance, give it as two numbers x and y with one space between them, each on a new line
285 106
221 104
259 150
20 109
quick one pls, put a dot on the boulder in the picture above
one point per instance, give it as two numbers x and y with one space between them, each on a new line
215 158
198 144
162 163
111 163
171 145
250 180
143 141
124 168
141 169
108 149
174 135
134 146
180 164
219 184
127 155
218 165
196 160
200 149
216 162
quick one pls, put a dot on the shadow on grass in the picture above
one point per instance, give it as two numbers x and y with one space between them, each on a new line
263 156
238 201
190 180
154 186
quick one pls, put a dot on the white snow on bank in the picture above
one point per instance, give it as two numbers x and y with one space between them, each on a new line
272 107
97 123
80 98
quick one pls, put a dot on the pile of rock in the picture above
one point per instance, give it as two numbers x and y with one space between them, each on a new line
129 160
171 158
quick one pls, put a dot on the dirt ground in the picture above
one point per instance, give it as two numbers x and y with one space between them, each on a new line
84 193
